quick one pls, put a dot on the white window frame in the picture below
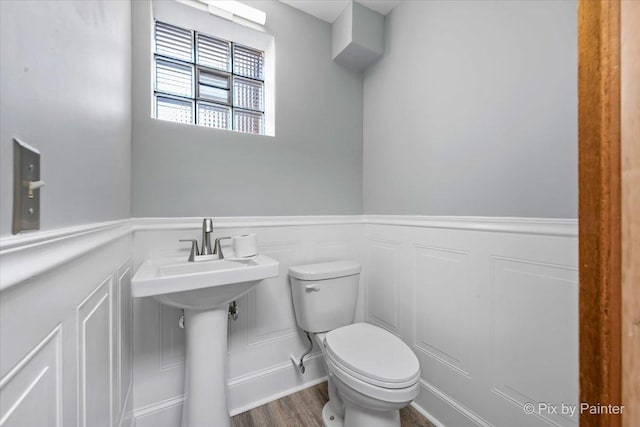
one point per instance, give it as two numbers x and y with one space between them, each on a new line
254 37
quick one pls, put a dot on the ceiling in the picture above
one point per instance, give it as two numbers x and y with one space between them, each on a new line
329 10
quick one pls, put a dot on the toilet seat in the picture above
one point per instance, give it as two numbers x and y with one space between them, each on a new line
387 395
372 355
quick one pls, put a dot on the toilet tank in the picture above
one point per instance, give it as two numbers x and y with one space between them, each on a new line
325 294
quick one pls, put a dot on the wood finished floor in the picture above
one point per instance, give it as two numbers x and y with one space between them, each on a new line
304 409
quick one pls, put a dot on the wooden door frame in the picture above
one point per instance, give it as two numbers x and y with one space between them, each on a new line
599 207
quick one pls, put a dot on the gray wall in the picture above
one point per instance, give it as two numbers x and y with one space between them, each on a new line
66 89
312 166
473 111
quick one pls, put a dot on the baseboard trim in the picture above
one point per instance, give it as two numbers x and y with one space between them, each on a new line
453 404
260 380
158 406
262 373
264 386
277 396
433 420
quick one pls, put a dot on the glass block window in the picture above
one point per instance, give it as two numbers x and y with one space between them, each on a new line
207 81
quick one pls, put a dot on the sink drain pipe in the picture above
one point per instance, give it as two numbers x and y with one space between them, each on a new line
232 314
299 363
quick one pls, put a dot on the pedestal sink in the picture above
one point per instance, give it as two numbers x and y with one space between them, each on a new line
203 289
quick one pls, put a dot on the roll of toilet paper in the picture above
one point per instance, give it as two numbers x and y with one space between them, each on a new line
245 245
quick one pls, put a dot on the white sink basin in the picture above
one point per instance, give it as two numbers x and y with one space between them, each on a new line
203 284
203 289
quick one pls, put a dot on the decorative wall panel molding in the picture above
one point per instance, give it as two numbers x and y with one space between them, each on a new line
95 355
441 292
31 393
382 288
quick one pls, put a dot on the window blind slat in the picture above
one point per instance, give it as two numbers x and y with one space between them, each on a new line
214 53
174 42
174 78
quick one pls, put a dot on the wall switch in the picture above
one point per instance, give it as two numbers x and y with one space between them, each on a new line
26 187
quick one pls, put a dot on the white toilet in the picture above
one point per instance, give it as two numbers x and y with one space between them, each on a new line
372 373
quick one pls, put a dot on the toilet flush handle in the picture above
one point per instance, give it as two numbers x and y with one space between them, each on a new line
312 288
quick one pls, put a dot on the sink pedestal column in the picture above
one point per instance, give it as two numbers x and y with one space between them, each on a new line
205 403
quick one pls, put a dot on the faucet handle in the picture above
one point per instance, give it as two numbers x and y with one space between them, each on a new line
217 248
194 248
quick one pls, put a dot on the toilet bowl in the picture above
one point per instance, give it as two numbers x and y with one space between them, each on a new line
372 373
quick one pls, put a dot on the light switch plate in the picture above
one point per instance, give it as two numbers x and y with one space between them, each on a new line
26 168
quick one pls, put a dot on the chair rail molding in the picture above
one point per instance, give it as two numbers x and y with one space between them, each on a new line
541 226
190 223
49 249
23 257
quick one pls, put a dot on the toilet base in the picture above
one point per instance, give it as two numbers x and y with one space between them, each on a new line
330 418
358 416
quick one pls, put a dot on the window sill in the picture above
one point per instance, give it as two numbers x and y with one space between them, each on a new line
169 123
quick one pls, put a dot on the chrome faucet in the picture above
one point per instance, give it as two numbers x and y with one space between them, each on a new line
207 228
205 252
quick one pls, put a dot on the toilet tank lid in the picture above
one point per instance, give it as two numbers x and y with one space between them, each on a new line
325 270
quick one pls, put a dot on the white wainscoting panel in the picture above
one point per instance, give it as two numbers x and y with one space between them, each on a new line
65 338
490 308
